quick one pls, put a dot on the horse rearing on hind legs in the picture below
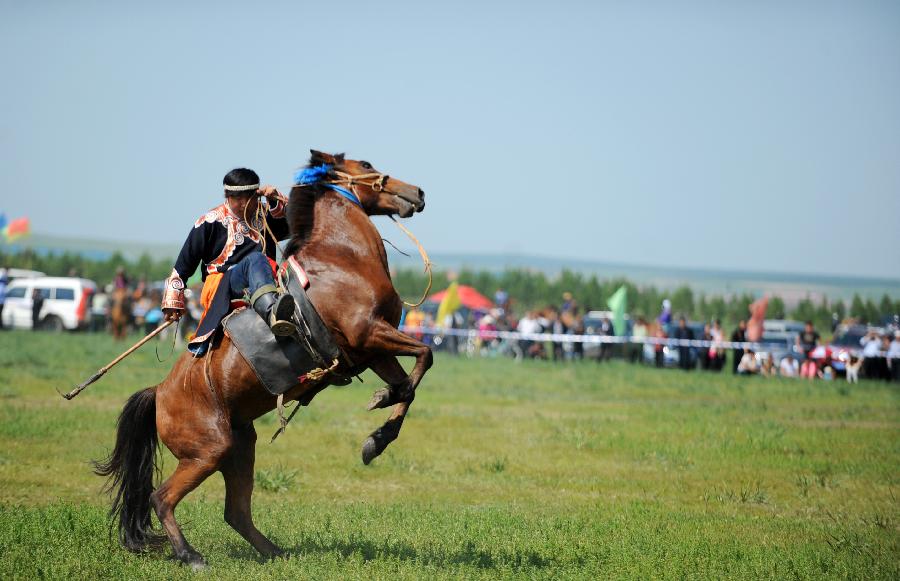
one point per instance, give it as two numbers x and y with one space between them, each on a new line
204 410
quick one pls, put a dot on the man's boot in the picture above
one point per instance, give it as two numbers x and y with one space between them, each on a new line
276 310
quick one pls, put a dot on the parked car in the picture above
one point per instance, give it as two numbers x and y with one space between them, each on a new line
592 321
783 326
846 344
671 356
66 303
778 345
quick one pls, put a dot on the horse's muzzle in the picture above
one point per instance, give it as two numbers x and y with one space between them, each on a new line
410 200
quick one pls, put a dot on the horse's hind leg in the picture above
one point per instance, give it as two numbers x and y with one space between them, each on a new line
190 424
237 469
188 475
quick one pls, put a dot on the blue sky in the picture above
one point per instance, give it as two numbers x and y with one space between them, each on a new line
747 135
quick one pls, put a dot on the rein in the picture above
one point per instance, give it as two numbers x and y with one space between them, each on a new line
425 260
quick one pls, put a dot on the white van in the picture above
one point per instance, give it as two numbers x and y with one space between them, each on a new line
67 302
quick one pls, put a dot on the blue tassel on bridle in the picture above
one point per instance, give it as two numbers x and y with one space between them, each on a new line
315 174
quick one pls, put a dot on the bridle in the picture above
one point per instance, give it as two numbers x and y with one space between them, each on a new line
346 184
375 180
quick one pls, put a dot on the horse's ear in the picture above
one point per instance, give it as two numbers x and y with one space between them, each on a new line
338 158
318 158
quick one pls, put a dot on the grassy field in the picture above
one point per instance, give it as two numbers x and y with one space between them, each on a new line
502 470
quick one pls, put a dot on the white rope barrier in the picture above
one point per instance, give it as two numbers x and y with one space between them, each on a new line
595 339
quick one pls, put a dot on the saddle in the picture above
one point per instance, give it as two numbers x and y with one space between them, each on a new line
282 363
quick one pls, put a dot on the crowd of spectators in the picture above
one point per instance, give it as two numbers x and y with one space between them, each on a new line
879 356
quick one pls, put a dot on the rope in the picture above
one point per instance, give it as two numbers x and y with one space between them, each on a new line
425 260
174 340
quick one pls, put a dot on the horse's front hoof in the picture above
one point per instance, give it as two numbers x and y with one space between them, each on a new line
370 450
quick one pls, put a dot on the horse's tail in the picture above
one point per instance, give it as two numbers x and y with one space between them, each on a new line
130 471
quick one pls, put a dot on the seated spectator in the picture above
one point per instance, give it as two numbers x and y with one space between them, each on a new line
768 367
747 365
809 369
789 367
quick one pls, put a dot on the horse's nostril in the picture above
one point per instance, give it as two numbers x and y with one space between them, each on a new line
421 194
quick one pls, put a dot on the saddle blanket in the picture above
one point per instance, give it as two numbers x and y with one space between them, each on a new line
282 363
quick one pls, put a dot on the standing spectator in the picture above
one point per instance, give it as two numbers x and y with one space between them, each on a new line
501 299
853 369
3 282
99 310
528 325
605 329
789 366
739 336
705 360
639 332
684 333
556 327
578 329
37 303
665 317
568 302
873 361
893 353
808 340
716 353
659 348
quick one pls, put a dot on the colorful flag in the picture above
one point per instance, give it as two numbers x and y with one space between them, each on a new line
616 304
449 303
2 222
18 228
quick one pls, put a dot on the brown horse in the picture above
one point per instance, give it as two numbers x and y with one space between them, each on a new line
204 410
120 313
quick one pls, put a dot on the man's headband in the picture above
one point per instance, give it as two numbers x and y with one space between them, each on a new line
241 188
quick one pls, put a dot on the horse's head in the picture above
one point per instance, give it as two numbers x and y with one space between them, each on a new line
378 193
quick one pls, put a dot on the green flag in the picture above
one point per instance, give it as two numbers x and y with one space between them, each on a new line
616 304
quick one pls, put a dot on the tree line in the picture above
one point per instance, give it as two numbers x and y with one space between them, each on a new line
527 289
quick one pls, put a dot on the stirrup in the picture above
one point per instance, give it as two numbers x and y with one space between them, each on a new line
281 316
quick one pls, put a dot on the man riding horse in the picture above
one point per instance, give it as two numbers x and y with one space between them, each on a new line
235 243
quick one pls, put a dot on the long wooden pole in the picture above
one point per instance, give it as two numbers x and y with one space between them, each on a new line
78 389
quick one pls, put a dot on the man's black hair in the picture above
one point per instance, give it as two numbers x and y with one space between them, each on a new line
241 177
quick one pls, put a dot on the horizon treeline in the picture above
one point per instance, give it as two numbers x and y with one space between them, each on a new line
527 290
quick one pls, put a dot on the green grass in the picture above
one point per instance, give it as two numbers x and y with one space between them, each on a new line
502 470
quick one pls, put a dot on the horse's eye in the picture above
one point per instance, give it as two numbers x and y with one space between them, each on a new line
366 165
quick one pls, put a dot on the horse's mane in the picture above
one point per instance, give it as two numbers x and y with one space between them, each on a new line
300 215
